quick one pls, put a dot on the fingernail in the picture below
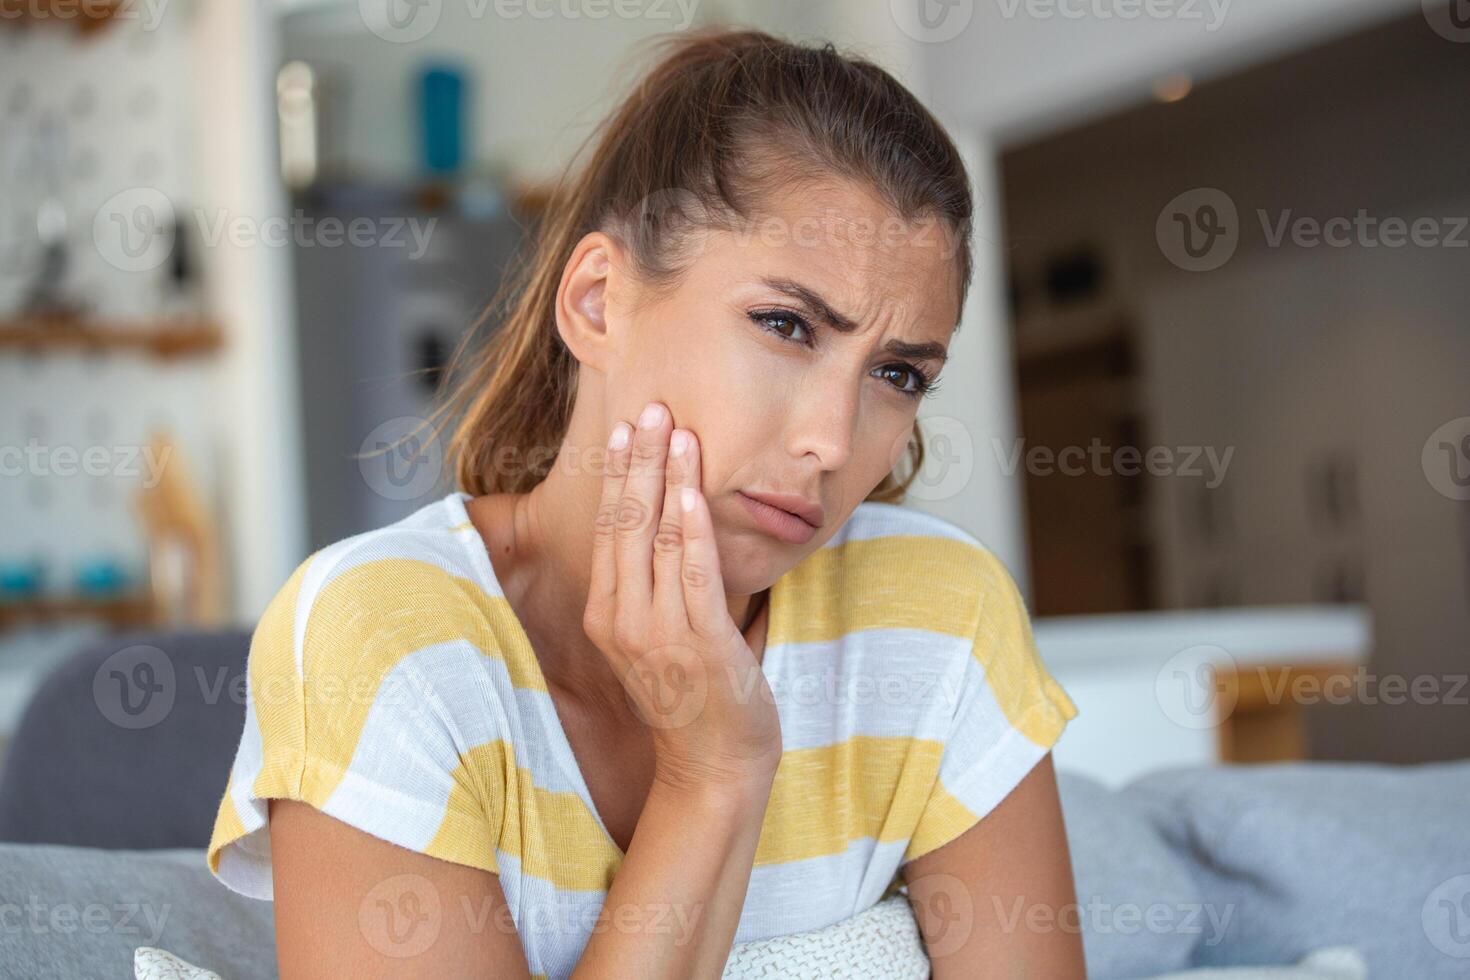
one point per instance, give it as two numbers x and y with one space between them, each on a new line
686 498
679 442
652 416
619 437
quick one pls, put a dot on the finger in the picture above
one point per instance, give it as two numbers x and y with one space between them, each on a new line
639 507
615 470
704 586
668 545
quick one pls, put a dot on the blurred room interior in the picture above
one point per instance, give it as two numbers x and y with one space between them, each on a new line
187 387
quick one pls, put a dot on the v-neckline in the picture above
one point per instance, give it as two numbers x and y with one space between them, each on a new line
775 603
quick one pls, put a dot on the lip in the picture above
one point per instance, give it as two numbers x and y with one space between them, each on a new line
771 511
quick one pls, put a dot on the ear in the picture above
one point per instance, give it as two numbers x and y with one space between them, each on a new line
590 276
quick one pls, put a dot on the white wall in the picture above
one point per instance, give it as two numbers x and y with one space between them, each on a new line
255 401
1023 67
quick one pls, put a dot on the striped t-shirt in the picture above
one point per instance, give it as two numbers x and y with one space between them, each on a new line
391 686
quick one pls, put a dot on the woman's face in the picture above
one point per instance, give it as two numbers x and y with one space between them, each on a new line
745 353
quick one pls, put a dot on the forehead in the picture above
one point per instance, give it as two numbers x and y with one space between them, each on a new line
842 241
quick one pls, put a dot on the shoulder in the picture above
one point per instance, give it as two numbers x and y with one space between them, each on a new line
378 595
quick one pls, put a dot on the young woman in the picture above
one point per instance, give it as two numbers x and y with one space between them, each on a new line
666 686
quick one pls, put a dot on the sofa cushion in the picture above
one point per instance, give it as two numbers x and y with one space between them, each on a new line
1305 855
1332 963
1139 906
80 912
128 744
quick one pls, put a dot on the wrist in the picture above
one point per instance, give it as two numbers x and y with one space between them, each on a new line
719 785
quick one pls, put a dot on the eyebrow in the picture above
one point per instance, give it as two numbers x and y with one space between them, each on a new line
929 350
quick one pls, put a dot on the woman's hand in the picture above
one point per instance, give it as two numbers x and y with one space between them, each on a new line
657 610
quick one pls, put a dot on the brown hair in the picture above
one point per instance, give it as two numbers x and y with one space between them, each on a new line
679 154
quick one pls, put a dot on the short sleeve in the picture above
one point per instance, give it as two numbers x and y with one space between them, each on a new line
1008 713
366 697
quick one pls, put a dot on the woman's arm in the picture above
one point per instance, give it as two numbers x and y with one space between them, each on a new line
675 903
998 901
350 904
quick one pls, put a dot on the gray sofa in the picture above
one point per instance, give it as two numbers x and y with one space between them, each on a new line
102 827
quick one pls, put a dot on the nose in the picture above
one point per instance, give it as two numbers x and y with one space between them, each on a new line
824 419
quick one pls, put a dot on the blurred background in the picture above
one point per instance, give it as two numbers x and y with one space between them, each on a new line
1210 400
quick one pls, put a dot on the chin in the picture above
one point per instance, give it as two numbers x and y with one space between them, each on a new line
750 563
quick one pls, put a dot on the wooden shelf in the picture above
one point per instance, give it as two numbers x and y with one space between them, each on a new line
163 338
120 612
1267 723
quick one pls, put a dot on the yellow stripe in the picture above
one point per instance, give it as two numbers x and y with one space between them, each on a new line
554 834
271 646
894 582
275 686
945 818
1033 702
824 798
227 826
368 619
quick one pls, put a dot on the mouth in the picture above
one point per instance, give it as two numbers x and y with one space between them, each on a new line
787 525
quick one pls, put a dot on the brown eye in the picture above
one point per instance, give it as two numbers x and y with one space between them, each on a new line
922 383
793 321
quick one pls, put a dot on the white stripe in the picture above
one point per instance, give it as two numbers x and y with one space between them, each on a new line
879 683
